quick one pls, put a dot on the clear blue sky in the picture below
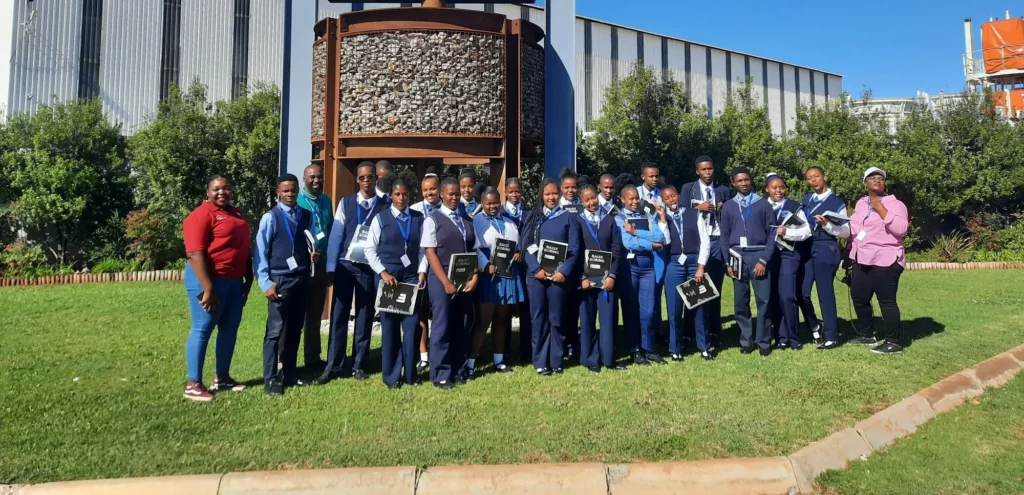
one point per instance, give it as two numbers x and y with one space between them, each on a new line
894 47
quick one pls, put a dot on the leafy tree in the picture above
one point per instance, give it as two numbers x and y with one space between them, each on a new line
253 122
67 169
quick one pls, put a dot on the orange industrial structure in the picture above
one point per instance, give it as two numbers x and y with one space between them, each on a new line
999 65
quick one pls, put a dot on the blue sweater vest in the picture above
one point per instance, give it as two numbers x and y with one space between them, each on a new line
352 216
610 238
792 207
690 243
449 238
757 227
393 246
281 246
831 203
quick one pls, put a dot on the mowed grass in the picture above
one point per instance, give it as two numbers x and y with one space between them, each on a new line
976 449
92 375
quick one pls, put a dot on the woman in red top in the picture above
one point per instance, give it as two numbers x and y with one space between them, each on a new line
217 280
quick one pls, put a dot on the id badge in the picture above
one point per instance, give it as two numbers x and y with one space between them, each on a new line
862 235
320 236
292 264
682 259
405 260
631 255
743 242
532 249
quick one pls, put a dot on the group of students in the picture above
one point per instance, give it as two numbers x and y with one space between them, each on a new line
685 233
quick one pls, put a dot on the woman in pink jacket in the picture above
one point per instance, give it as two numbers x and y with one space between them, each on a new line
877 228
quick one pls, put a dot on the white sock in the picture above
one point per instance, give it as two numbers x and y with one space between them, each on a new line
498 358
423 356
470 363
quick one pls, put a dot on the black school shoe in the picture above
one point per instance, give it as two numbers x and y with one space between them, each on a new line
274 388
677 357
444 385
503 368
828 345
888 348
797 346
360 375
544 371
782 346
746 350
594 369
765 352
707 356
654 358
864 341
616 367
639 359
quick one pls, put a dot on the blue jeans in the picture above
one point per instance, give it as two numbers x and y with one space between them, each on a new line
226 317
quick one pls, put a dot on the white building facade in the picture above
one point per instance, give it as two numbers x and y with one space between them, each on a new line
129 52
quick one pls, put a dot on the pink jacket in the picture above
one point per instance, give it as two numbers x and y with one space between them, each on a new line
881 243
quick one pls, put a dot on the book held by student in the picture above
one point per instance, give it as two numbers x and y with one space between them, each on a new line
552 255
599 264
503 250
400 299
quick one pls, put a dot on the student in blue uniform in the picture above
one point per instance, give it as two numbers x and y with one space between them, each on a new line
650 191
784 269
747 226
687 256
597 304
353 215
431 201
606 204
568 187
446 232
644 266
515 210
822 257
467 187
282 270
547 291
496 295
708 197
395 256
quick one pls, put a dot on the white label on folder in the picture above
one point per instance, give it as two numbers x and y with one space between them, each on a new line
743 242
292 264
405 260
862 235
532 249
320 236
503 255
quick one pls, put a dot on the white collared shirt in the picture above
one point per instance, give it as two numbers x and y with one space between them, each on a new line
374 242
706 219
703 232
429 237
515 210
338 229
562 201
840 231
801 233
422 207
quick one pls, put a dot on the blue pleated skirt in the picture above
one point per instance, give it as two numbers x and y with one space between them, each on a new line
501 291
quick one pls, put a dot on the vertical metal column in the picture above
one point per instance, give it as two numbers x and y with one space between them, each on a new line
297 85
559 86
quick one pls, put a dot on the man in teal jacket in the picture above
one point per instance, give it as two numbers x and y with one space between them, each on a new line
313 199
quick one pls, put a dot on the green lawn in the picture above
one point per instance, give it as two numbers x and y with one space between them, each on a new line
976 449
124 415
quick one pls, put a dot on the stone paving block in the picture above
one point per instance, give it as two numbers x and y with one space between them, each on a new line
952 391
9 489
354 481
897 421
767 475
535 479
831 452
166 485
1017 353
997 371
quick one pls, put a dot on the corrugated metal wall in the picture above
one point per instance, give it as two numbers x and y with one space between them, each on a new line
266 41
46 48
207 28
45 57
130 61
6 42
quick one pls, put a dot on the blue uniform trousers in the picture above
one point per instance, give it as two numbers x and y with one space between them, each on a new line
683 322
715 268
641 270
752 333
820 268
285 318
399 343
784 273
449 331
597 327
547 305
350 279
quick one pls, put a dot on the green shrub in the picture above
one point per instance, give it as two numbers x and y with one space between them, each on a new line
110 265
22 260
178 265
953 248
154 238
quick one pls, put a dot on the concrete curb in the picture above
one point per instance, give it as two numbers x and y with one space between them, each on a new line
720 476
536 479
795 473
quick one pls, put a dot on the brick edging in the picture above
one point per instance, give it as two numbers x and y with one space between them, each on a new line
794 473
90 278
176 275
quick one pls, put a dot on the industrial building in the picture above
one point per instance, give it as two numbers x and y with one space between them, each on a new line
129 52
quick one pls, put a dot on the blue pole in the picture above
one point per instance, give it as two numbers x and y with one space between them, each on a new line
297 85
559 86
